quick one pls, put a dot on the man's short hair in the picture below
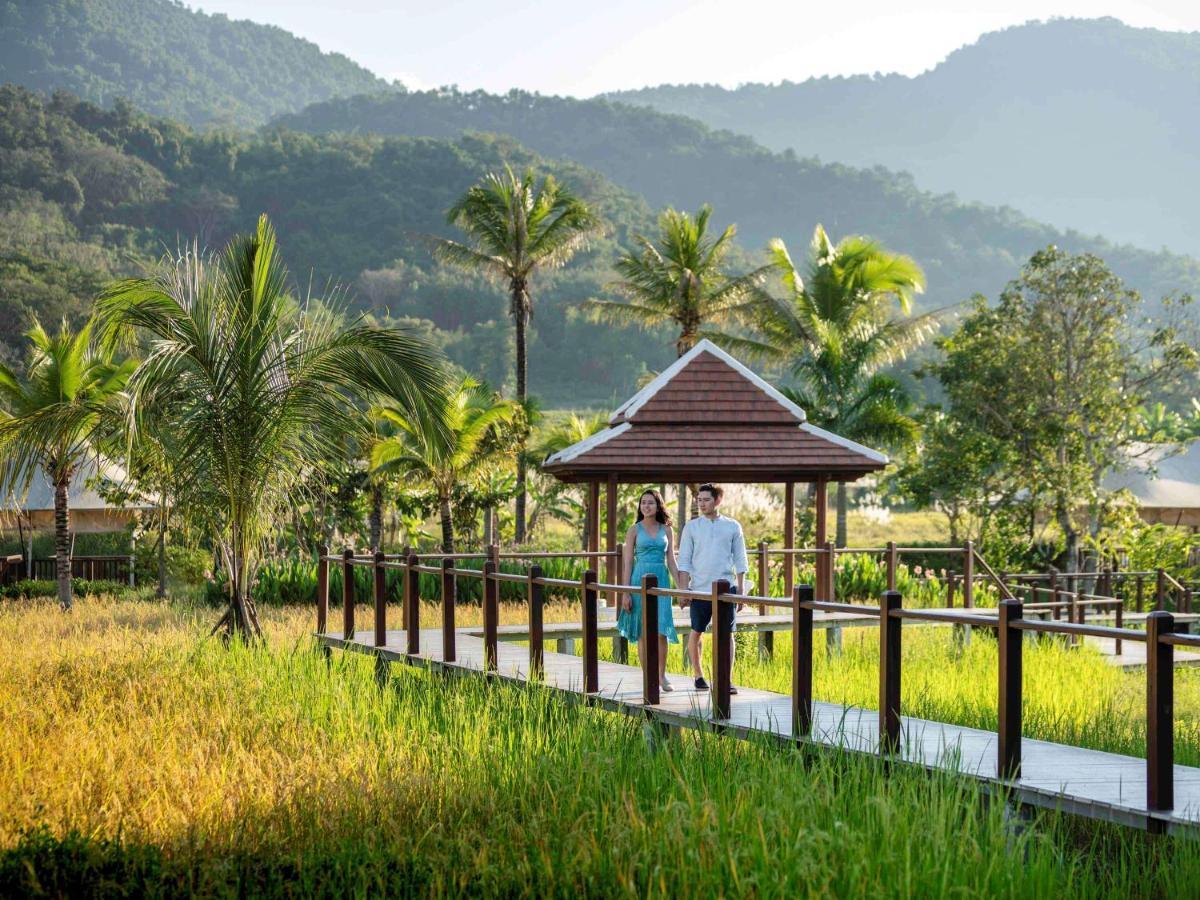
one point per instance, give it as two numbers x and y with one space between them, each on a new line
715 489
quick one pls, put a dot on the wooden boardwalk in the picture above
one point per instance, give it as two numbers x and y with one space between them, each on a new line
1091 783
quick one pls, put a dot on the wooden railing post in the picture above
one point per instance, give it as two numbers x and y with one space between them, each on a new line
649 639
535 596
1120 623
491 616
380 579
449 600
892 560
830 574
766 639
1160 713
802 661
1141 593
322 588
616 569
1008 732
405 552
722 652
1160 590
347 595
951 579
591 658
969 575
412 599
889 672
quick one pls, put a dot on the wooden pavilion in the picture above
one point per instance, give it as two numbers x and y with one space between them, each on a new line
708 417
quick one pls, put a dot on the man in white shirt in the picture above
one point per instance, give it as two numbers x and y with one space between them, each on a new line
711 548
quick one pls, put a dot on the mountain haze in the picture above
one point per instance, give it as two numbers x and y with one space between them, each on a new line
668 159
1085 124
170 60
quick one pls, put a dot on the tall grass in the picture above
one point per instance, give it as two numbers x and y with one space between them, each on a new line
142 758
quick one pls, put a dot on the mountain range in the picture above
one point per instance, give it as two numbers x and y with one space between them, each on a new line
92 186
165 58
1082 123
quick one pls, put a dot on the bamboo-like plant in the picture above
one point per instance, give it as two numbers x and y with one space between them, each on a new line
53 416
259 387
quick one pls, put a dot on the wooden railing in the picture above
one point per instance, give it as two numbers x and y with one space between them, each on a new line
92 568
1009 623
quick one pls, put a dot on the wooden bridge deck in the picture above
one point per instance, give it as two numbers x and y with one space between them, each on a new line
1091 783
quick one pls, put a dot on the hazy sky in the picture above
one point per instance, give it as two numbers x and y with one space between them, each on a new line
583 47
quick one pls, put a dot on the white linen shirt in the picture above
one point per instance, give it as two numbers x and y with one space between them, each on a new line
712 549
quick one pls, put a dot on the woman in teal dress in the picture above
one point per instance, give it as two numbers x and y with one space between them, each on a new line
650 550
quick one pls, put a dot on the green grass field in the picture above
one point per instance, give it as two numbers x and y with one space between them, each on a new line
143 759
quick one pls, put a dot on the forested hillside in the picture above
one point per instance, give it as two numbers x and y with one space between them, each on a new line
674 160
86 194
1082 123
169 59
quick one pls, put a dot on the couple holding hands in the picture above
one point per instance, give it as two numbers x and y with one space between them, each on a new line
712 547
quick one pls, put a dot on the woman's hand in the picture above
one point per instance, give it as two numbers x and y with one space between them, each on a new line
627 602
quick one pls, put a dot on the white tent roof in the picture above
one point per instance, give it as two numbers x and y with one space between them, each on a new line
40 496
1175 483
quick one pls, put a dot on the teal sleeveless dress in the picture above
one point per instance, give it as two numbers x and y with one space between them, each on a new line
649 558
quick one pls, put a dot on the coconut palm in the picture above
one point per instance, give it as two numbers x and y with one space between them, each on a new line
517 227
679 278
261 387
839 323
70 389
471 439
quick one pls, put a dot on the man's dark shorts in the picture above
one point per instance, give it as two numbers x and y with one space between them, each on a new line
701 611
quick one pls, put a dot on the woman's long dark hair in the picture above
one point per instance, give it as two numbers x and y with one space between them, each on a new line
662 517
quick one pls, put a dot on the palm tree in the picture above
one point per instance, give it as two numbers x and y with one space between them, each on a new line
837 327
559 436
261 387
470 440
71 387
518 227
679 279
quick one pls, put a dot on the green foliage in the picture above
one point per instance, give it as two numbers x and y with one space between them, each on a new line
1050 384
172 60
348 207
293 582
671 160
253 388
679 279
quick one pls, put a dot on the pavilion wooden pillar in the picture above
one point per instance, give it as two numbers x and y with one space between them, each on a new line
611 567
824 565
789 538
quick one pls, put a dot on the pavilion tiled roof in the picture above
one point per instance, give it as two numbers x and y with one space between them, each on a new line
707 416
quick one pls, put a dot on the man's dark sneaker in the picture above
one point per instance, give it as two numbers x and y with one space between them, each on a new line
732 689
701 684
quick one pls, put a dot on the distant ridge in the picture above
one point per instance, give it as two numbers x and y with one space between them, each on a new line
170 60
670 159
1082 123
